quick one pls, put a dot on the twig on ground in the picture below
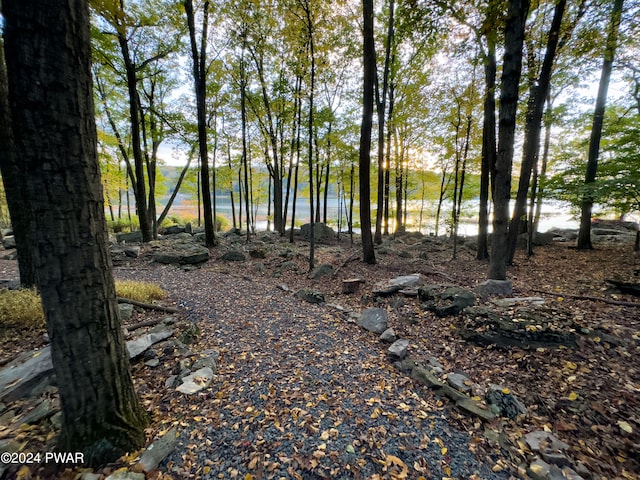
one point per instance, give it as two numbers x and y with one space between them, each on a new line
146 323
148 306
350 258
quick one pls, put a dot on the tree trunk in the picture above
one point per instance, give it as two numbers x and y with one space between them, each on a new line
55 139
584 235
199 60
488 149
535 109
312 241
381 101
511 71
369 64
17 202
139 192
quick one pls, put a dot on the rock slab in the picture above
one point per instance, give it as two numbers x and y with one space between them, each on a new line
158 450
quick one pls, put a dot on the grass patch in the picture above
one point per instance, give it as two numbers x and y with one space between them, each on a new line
21 308
139 291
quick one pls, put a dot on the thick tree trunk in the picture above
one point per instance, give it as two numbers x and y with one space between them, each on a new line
369 63
535 109
584 235
55 138
511 71
17 203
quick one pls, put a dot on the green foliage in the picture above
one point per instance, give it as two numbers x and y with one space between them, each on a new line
139 291
123 224
21 309
221 223
617 185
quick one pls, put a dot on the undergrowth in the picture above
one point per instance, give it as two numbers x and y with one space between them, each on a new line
23 309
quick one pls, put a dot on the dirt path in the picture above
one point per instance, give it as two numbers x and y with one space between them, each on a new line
301 392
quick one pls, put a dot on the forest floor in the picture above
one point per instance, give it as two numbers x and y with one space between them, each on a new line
295 380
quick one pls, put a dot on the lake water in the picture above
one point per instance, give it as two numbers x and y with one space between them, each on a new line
554 215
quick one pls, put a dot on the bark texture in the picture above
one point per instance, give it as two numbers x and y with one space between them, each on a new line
47 42
584 234
18 206
511 72
365 132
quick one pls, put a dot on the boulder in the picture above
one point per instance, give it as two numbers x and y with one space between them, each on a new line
374 320
475 408
445 300
321 270
174 229
403 282
129 237
234 256
320 231
182 254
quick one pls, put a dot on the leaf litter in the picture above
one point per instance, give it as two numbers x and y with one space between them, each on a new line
301 392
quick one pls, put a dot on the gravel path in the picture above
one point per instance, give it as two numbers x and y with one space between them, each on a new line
302 393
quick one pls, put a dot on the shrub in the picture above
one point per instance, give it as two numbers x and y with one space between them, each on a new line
139 291
222 223
21 308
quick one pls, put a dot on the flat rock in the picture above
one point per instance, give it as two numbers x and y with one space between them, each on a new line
374 320
399 348
403 282
20 377
460 382
159 450
182 254
426 377
138 345
539 439
508 302
197 381
475 408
